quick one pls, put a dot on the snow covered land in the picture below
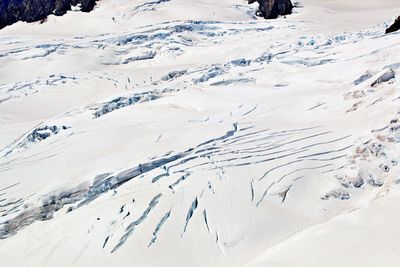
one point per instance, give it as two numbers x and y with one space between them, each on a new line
191 133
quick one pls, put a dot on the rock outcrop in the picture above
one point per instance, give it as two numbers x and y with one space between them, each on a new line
394 27
271 9
12 11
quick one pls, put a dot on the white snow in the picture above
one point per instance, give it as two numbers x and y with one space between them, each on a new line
189 133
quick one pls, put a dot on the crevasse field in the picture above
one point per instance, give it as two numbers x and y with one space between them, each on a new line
191 133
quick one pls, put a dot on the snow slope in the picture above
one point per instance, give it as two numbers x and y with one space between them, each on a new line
189 133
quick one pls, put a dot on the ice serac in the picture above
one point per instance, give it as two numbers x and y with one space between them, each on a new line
271 9
394 27
12 11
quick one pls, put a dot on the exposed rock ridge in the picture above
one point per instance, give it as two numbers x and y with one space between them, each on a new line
394 27
271 9
12 11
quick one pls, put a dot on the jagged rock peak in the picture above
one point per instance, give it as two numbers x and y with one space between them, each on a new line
12 11
394 27
271 9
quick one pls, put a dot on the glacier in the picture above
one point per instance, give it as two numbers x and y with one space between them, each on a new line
193 133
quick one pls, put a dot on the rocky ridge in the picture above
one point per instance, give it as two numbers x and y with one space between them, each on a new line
12 11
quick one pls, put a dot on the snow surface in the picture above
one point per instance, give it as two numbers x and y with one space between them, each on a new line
190 133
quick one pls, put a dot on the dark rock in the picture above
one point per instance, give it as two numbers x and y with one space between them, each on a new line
12 11
271 9
394 27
